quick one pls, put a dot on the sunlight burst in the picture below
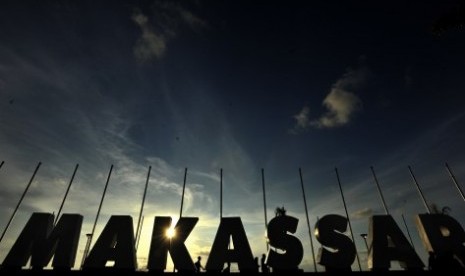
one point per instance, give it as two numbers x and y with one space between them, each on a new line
170 233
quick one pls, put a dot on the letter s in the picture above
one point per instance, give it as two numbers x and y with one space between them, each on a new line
278 236
343 254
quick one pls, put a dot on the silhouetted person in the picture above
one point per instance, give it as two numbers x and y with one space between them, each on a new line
280 211
227 269
431 261
198 265
255 260
265 268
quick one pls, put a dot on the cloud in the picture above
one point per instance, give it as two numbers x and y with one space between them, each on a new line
362 213
341 106
192 20
302 118
167 21
150 45
341 103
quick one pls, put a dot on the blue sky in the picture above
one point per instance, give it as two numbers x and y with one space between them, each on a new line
233 85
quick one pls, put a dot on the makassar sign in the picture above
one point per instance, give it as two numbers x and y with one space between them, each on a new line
41 240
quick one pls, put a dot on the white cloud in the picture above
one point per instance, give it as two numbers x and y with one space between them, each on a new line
341 106
341 103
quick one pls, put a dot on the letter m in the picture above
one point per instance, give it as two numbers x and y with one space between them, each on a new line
40 241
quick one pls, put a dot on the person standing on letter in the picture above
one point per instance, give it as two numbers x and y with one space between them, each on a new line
263 265
198 265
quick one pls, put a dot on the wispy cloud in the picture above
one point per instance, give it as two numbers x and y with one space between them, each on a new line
157 30
341 103
151 45
94 134
362 213
192 20
92 128
302 118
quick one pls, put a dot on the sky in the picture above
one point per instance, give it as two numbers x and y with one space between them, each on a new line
233 85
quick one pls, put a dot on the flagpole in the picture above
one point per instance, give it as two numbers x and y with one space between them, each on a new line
142 205
86 249
19 202
182 203
455 181
183 190
419 190
139 231
99 208
221 193
408 232
348 219
264 205
308 220
379 191
66 194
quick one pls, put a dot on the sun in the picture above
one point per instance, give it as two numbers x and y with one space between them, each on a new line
170 233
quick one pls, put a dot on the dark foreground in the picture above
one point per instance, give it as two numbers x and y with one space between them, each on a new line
141 273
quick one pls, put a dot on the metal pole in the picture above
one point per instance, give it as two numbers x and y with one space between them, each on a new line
183 189
308 220
419 190
379 191
455 181
99 208
221 202
66 194
408 232
264 205
142 205
19 202
86 250
139 231
182 203
221 193
348 219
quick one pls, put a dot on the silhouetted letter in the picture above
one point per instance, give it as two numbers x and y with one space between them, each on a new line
220 254
40 241
116 243
279 238
329 232
161 244
388 243
441 234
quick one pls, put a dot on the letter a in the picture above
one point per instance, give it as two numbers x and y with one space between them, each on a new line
221 254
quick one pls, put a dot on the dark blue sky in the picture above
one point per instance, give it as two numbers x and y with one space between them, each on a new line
238 85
